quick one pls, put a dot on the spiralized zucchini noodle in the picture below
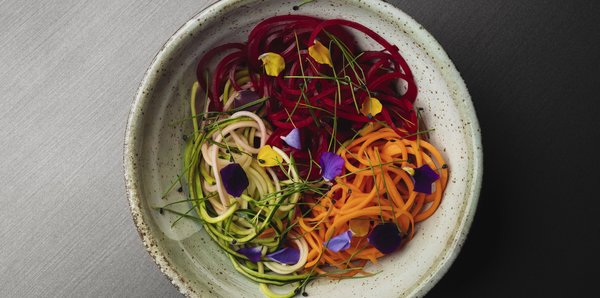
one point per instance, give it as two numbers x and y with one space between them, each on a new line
259 216
308 158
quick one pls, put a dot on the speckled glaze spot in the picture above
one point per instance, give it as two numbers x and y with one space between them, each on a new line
154 146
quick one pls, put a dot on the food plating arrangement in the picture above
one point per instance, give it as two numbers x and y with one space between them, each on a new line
309 157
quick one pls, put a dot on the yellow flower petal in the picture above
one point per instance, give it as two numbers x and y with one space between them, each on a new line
273 63
267 157
320 53
371 107
359 227
409 170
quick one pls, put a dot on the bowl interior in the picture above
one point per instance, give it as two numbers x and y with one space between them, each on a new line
160 118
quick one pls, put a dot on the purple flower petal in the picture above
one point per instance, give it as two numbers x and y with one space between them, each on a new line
234 179
423 178
286 255
331 165
293 139
256 142
339 242
245 97
252 253
385 237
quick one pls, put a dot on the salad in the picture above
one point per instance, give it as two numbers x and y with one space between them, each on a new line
308 158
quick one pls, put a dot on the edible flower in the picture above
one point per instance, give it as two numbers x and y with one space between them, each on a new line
234 179
423 178
410 171
359 227
339 242
293 139
331 165
273 63
286 255
246 97
268 157
320 53
385 237
252 253
371 107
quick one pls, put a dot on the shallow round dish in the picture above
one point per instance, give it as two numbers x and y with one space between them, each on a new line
154 146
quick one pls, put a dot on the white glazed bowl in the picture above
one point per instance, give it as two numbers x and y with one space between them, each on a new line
154 145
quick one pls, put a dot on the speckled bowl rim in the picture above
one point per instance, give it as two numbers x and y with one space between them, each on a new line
134 131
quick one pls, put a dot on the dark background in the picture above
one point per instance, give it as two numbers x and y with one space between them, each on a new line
533 71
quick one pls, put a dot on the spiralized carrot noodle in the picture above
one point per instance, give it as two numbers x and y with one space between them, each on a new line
375 188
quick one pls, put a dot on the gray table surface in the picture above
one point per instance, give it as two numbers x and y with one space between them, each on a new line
70 69
68 73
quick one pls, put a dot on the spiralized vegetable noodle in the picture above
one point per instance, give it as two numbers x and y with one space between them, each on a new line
308 157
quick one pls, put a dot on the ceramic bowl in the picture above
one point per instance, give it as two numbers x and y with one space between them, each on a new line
154 145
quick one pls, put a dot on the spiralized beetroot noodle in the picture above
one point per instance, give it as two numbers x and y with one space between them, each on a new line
311 104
